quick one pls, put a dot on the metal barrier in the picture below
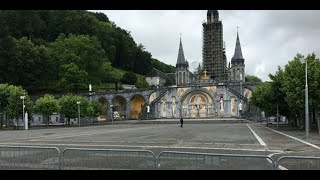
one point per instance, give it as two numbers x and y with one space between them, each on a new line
107 159
298 163
40 157
204 161
29 157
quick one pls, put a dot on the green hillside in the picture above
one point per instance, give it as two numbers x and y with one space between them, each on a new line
63 51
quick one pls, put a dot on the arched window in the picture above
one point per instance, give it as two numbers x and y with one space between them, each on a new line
184 78
238 74
233 74
180 78
243 75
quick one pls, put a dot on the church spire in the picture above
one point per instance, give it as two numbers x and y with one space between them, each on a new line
237 52
181 59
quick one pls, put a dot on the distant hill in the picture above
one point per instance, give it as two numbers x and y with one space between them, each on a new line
63 50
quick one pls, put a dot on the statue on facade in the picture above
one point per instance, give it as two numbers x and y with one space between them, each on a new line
221 107
90 88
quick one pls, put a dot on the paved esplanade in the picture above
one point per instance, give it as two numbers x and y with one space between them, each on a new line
159 136
226 136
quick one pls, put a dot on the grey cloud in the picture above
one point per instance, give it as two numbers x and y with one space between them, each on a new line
268 38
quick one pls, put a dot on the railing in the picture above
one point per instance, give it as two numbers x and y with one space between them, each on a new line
106 159
29 157
40 157
298 163
158 98
237 94
211 161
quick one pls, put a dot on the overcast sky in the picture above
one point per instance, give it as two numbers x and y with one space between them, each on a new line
268 38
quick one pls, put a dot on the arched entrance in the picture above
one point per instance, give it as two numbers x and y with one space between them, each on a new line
119 106
137 102
197 104
104 115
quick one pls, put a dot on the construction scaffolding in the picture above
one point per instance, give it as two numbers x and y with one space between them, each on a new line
213 51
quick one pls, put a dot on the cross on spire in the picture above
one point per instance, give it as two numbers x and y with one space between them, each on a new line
205 73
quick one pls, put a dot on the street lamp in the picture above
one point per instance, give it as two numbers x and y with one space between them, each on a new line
241 94
23 106
78 102
277 111
306 100
111 106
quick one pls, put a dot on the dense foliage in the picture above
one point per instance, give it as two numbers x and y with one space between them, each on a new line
287 89
40 49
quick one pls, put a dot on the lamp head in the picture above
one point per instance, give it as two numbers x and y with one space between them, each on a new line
302 60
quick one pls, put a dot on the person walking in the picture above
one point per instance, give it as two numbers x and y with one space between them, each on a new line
240 110
181 122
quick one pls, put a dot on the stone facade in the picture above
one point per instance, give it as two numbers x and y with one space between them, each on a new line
210 101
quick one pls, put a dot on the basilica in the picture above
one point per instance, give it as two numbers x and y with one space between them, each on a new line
214 62
214 91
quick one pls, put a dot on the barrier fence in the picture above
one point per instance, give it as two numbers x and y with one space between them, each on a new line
211 161
29 157
39 157
103 159
298 163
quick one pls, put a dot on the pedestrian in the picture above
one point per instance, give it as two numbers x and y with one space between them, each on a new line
148 111
240 110
181 121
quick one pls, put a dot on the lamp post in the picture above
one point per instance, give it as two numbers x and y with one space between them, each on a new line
78 102
277 111
23 106
111 106
306 100
241 94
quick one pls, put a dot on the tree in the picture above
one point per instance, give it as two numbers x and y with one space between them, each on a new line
46 106
129 78
47 67
14 106
294 85
277 81
94 109
110 74
7 52
84 51
251 78
90 112
287 89
4 95
162 66
69 106
34 44
142 60
72 76
263 97
142 83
